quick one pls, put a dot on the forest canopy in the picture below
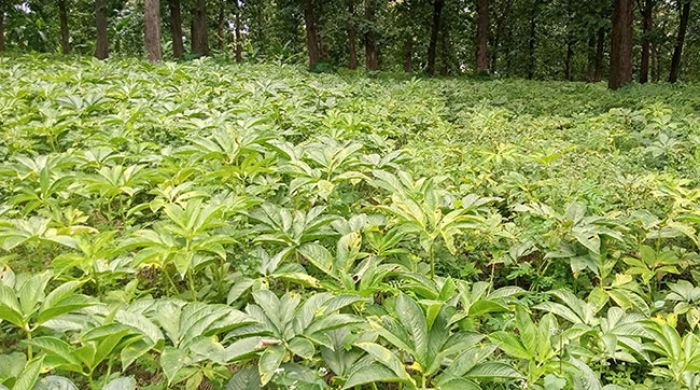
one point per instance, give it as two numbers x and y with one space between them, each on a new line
349 195
537 39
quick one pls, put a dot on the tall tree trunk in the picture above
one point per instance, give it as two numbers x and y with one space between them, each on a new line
680 39
63 21
151 13
590 68
237 32
482 36
621 45
532 43
408 54
2 28
221 27
647 25
176 28
434 31
655 63
501 23
352 36
569 62
445 50
322 47
101 44
312 45
200 29
599 55
371 56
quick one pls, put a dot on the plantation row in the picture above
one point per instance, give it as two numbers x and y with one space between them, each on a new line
239 227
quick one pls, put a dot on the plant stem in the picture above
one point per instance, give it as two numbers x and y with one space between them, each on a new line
192 287
28 331
431 254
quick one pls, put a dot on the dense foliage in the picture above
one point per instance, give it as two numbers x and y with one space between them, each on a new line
205 225
553 39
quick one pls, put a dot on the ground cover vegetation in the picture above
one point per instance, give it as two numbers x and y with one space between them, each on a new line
208 225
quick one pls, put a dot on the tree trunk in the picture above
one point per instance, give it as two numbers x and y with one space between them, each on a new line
237 32
352 36
101 45
590 68
408 55
312 46
322 47
569 62
63 22
680 39
647 26
221 27
532 43
655 64
621 45
371 57
2 28
482 36
151 13
599 55
445 50
200 29
434 31
176 28
501 23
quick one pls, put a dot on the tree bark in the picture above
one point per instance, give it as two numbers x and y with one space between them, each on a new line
2 28
434 31
371 57
200 29
152 30
221 27
101 43
680 39
621 45
532 43
647 25
482 36
655 64
569 62
599 55
63 22
237 32
176 28
352 36
312 46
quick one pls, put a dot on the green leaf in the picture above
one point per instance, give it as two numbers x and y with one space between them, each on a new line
173 360
510 344
372 373
319 257
53 382
493 370
269 362
29 376
12 365
386 357
302 347
245 379
122 383
56 348
413 320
